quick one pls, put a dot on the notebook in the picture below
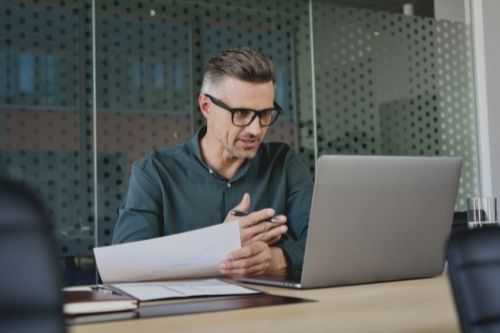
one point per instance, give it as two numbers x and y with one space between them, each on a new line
376 218
91 302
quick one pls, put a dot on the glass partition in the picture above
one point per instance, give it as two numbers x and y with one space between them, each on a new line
46 123
394 84
89 87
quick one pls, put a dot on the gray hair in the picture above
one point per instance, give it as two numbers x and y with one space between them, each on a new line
241 63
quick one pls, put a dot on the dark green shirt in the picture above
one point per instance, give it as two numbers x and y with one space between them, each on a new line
173 190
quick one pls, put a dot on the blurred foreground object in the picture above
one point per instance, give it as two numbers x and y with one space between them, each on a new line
30 289
474 272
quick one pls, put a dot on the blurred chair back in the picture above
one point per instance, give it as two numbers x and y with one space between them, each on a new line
474 272
30 288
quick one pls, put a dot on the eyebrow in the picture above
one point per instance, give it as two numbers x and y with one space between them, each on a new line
275 105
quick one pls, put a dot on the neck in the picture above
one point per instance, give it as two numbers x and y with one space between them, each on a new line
218 159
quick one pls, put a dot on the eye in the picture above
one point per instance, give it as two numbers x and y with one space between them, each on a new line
266 113
242 113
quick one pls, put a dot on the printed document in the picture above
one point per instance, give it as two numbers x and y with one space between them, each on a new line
148 291
192 254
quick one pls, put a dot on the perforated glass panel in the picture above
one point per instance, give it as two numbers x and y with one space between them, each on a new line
391 84
150 58
45 118
381 83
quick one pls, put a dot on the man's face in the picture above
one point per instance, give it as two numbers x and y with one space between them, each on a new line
238 142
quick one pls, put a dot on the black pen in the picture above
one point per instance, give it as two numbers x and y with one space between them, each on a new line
236 212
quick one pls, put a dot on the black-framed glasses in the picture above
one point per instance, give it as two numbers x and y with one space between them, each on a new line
242 117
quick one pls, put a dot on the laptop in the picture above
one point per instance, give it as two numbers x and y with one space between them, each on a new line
376 218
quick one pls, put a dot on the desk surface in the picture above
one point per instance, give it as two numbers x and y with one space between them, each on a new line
424 305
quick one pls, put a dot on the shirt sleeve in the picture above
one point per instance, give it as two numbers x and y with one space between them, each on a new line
298 202
140 214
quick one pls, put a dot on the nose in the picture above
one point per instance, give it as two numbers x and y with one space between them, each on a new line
254 127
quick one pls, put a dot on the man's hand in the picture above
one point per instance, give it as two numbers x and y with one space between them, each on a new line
256 258
256 226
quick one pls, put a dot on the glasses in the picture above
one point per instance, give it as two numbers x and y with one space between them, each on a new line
242 117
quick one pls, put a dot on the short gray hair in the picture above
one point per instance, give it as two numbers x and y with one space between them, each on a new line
241 63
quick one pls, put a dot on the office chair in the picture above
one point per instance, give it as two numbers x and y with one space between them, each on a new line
474 273
30 289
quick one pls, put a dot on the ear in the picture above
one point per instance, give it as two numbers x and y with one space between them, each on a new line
203 104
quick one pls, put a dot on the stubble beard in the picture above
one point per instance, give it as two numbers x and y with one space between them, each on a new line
231 149
235 153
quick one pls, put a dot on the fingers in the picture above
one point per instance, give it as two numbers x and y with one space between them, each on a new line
260 225
257 217
253 259
273 240
243 206
251 226
279 219
268 232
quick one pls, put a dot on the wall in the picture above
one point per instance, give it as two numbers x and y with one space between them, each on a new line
487 54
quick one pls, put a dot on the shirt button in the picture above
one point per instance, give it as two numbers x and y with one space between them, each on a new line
211 171
228 184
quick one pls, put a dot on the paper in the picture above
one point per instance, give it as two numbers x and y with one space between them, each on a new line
77 288
147 291
190 254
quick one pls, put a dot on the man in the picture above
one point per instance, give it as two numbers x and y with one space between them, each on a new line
226 173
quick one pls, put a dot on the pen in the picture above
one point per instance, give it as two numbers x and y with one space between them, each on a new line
236 212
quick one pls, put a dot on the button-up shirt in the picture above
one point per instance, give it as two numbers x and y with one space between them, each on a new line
173 190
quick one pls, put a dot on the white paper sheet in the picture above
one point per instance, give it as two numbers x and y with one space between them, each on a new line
78 288
190 254
147 291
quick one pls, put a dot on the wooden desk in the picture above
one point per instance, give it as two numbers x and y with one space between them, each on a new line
424 305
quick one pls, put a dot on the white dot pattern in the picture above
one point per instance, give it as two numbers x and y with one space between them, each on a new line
392 84
385 84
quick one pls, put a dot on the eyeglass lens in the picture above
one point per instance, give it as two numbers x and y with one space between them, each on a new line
245 117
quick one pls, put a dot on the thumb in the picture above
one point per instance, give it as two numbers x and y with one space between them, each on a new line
244 204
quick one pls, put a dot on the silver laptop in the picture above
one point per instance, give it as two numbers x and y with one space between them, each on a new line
376 218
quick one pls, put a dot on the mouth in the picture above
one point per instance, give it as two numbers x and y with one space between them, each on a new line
249 143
